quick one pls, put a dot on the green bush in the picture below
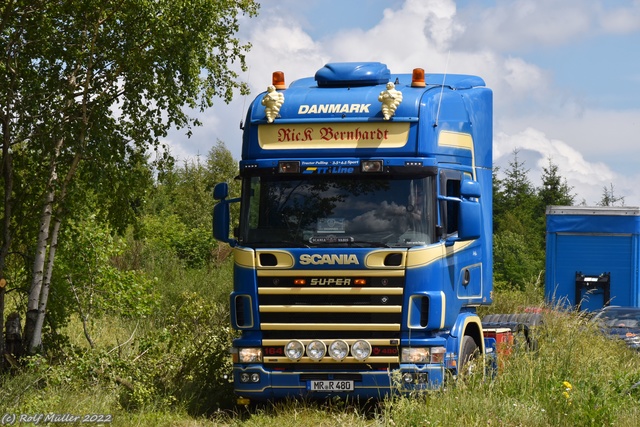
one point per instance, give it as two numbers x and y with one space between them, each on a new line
516 261
184 361
168 237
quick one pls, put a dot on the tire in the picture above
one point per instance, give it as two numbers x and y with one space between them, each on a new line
468 355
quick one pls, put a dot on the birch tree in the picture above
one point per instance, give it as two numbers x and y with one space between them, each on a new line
87 84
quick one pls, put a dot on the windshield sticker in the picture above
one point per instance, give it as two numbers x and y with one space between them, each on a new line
328 170
329 167
331 225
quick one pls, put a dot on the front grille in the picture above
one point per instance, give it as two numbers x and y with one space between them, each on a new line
336 312
324 318
328 335
330 299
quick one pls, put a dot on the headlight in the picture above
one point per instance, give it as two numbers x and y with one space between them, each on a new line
338 350
316 350
294 350
250 355
361 350
415 355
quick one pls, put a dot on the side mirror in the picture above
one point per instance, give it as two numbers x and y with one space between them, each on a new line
470 188
221 191
469 220
221 216
470 213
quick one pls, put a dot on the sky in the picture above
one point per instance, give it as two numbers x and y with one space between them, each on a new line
565 74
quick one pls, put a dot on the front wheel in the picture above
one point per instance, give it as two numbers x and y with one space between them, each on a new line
468 359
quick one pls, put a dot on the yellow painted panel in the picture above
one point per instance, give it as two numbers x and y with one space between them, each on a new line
244 257
308 136
284 259
330 309
458 140
376 259
455 139
329 273
330 291
331 327
426 255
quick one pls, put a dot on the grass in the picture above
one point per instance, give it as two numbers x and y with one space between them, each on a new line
576 376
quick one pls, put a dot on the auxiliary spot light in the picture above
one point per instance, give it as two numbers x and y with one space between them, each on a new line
289 167
371 166
316 350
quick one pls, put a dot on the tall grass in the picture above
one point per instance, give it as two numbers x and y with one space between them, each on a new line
576 377
167 370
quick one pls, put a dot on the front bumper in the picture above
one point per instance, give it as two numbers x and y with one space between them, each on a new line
366 384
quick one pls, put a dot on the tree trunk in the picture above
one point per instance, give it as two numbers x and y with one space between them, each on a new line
46 283
2 338
14 338
33 336
41 283
7 175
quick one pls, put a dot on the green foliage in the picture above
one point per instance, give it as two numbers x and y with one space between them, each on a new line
554 189
87 89
168 236
609 198
178 218
510 299
84 266
86 283
517 261
184 359
520 222
518 227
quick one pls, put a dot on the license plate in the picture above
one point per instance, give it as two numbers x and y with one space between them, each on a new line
331 386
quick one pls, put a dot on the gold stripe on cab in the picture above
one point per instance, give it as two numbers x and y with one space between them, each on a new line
458 140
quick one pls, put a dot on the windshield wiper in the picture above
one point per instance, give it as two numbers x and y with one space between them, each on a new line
278 244
365 243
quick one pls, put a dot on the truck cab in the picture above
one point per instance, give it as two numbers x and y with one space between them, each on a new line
364 239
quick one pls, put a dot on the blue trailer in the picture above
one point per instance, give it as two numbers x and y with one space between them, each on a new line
593 256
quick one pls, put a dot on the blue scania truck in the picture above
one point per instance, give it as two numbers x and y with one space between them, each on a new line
364 241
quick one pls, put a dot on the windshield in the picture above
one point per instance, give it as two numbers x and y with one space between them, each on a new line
619 318
337 211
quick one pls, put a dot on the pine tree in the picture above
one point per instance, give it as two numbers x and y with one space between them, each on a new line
554 189
609 198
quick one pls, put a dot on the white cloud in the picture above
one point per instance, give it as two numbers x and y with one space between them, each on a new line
621 20
587 178
280 44
526 24
530 111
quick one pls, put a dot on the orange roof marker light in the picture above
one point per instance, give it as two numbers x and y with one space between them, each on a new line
277 80
417 79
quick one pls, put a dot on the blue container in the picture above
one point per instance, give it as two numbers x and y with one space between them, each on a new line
592 256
